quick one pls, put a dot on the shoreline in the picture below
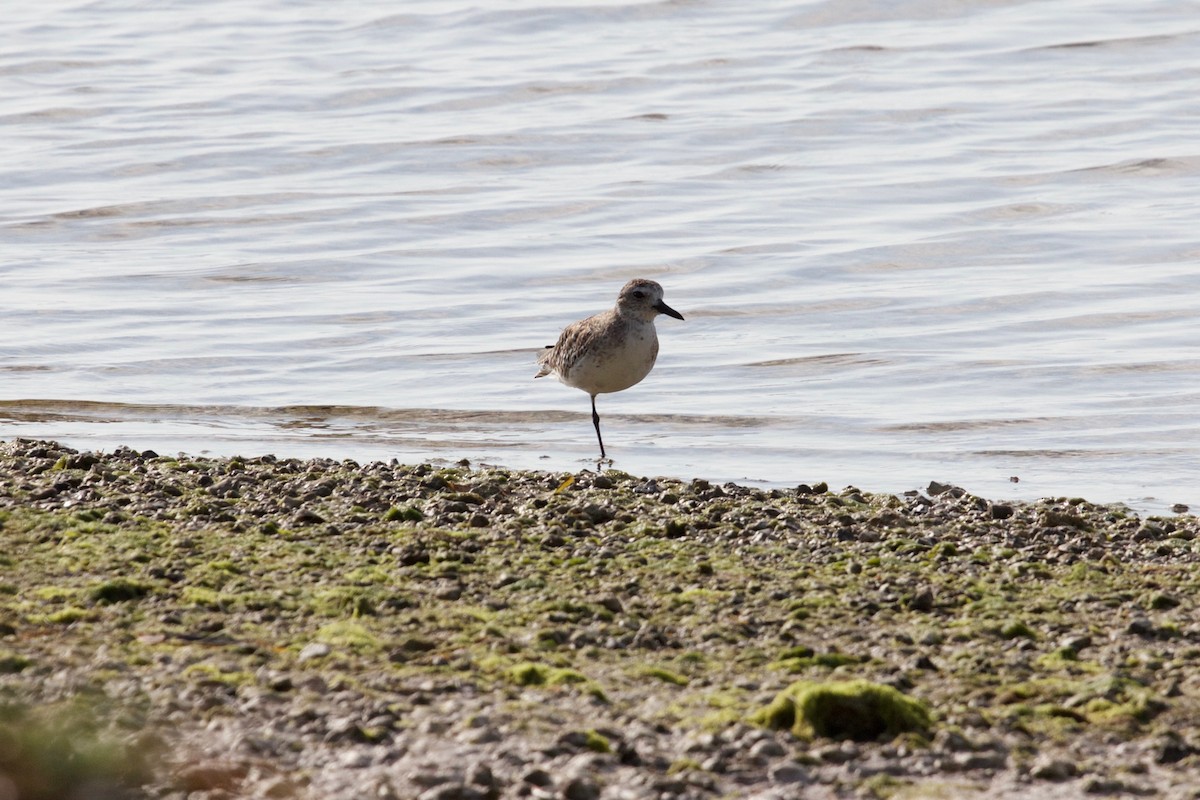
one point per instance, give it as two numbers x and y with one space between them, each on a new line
288 628
418 435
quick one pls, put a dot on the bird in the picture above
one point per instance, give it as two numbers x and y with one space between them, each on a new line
612 350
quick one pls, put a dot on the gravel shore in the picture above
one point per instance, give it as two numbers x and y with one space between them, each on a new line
184 627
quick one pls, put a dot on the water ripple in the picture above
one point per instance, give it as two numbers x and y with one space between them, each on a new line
911 241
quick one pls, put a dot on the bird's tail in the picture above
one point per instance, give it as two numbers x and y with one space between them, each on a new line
543 361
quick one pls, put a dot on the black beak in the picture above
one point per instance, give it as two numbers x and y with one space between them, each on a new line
663 308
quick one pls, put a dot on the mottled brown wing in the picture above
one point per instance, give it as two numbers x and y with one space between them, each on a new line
560 357
566 350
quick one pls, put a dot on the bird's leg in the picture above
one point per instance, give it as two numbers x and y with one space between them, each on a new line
596 422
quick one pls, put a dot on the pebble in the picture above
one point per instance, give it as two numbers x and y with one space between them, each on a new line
767 748
280 787
581 789
922 600
1140 626
1049 768
482 735
789 774
1001 511
480 774
356 758
951 741
925 663
211 776
306 516
314 650
966 762
1114 787
838 753
538 777
452 791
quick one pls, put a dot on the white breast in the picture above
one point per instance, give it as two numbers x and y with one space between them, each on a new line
615 364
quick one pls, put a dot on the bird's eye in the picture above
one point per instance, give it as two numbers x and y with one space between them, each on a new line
639 294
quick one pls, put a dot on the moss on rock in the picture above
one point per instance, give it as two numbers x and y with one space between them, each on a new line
120 590
858 710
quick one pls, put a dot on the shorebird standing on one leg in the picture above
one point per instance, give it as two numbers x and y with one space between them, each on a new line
610 351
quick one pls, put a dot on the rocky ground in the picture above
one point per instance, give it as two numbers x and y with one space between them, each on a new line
178 627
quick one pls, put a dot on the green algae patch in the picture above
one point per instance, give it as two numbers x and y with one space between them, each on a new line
120 590
350 635
595 741
68 616
884 787
12 663
663 674
204 597
858 710
406 514
352 601
1105 701
213 674
530 673
1120 702
799 659
1017 630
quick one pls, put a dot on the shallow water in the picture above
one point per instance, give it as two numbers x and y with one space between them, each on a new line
951 241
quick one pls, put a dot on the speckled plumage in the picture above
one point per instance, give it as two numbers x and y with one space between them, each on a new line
611 351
